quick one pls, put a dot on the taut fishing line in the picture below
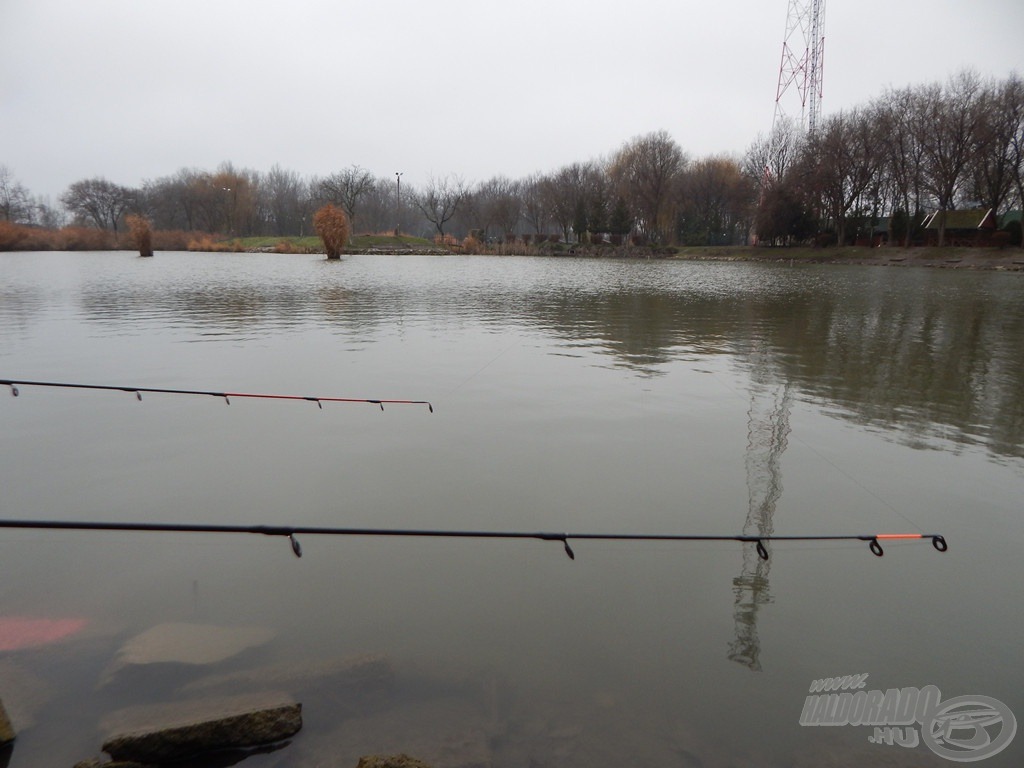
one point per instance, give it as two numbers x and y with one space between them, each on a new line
831 463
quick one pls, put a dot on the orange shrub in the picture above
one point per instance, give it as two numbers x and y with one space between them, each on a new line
204 242
172 239
12 236
84 239
141 234
331 224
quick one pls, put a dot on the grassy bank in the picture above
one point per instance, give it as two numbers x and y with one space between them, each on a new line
358 243
17 237
976 258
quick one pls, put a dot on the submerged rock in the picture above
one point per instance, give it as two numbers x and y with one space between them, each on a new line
362 672
176 731
24 694
181 643
570 735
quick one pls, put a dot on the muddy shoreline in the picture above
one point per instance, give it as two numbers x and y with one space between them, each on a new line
1008 259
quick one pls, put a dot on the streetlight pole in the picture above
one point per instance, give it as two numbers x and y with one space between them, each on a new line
230 215
398 201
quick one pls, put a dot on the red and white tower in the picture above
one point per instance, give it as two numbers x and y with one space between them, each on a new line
803 60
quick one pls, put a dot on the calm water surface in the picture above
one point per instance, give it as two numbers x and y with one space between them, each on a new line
570 395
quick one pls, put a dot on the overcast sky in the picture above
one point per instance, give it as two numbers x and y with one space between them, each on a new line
137 89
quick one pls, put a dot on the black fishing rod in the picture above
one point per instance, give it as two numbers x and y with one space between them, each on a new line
137 391
291 532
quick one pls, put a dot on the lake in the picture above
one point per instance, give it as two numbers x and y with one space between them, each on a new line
569 395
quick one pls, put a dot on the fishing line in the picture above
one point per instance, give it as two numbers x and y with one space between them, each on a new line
480 370
137 391
291 532
832 464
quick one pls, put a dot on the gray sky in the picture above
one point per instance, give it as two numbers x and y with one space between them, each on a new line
136 89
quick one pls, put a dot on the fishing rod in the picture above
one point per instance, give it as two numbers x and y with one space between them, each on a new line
938 541
137 391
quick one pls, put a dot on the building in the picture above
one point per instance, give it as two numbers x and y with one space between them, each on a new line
969 227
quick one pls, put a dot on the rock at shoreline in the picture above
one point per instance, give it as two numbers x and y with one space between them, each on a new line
167 732
390 761
444 733
190 644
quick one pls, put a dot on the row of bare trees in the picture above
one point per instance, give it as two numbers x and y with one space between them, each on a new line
649 188
19 206
911 151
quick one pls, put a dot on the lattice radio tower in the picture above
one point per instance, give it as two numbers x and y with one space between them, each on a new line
803 60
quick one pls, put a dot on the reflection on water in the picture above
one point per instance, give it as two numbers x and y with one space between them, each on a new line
929 355
767 436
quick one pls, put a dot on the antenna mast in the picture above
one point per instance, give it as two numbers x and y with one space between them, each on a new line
803 62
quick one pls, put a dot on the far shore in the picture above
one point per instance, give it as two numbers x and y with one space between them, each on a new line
1010 259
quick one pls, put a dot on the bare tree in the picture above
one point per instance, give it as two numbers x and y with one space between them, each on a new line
949 131
995 161
99 201
498 205
175 201
563 190
844 158
646 170
717 201
380 210
535 210
598 197
284 192
769 158
900 132
347 188
15 202
1014 90
440 200
47 215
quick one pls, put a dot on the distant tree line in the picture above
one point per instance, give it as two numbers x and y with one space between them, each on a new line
910 151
